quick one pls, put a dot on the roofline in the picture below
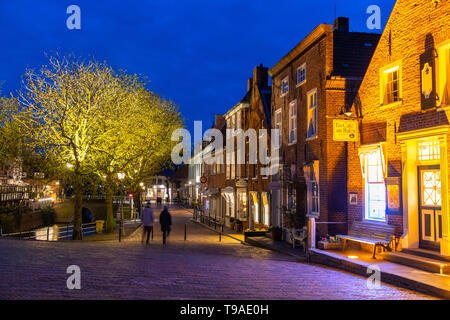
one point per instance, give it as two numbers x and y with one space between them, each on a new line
318 32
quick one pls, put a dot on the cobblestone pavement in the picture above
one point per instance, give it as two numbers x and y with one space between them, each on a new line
199 268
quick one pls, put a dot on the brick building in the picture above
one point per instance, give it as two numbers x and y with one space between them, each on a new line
313 85
399 172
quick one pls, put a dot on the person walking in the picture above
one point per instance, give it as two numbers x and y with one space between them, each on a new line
147 219
165 220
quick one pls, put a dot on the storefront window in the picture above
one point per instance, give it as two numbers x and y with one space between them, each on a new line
242 205
375 187
255 207
265 202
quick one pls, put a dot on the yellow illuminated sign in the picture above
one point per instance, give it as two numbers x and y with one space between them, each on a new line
345 130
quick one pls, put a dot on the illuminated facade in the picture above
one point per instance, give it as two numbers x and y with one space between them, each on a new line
400 165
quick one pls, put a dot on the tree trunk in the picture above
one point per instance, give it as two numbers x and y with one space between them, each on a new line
77 218
109 210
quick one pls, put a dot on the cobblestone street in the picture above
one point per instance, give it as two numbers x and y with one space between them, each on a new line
200 268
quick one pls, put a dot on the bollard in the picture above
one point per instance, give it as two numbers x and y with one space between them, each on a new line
185 231
220 236
152 233
48 233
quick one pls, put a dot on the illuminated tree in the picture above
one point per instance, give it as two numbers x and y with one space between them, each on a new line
90 121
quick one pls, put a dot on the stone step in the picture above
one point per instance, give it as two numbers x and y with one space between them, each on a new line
422 263
426 254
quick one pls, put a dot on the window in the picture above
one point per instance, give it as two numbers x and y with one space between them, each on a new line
390 84
444 76
311 173
293 122
312 115
233 122
375 188
301 75
278 119
284 86
429 150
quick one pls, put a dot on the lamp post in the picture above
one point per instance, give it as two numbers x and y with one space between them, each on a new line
121 176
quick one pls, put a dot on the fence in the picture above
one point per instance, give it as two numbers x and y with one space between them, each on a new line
64 232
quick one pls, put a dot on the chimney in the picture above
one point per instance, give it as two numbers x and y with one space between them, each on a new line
341 24
219 118
249 84
261 76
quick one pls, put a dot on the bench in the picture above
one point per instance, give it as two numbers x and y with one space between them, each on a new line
378 235
299 235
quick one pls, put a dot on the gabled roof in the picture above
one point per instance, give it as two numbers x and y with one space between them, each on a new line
317 33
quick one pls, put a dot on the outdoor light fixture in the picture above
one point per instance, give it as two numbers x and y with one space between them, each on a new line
346 110
353 257
69 165
121 176
141 184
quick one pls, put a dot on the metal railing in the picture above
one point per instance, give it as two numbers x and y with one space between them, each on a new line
64 232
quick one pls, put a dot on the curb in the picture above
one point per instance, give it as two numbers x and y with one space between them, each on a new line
214 230
261 245
387 277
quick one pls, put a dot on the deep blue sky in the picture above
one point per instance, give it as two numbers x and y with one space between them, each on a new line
198 53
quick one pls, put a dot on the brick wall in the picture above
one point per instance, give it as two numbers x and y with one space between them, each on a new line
404 38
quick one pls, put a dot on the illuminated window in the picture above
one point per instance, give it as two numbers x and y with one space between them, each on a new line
312 114
429 150
431 188
375 188
301 75
293 122
284 86
390 84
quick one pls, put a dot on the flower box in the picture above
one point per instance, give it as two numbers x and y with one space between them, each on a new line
325 245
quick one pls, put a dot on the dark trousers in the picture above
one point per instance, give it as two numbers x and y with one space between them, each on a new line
165 235
147 230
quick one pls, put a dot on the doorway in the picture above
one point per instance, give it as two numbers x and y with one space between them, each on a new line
430 214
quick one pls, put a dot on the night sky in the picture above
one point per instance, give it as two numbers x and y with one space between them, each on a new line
197 53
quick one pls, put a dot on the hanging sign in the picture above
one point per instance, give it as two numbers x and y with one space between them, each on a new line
345 130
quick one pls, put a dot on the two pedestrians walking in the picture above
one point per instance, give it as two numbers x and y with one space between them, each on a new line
165 219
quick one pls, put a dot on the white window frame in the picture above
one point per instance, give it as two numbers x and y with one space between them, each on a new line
384 78
279 125
293 125
300 69
377 151
312 110
285 80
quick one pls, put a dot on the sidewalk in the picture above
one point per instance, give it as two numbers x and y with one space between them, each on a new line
396 274
130 228
227 232
261 242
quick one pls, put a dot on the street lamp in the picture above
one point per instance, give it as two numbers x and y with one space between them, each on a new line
121 176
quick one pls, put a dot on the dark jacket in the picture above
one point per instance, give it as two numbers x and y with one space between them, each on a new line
165 220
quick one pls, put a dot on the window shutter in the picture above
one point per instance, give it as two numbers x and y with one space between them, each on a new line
428 80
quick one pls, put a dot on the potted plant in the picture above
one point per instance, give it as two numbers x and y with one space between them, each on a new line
277 233
232 223
238 225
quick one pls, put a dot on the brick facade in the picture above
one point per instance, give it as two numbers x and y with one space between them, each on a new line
396 125
334 63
